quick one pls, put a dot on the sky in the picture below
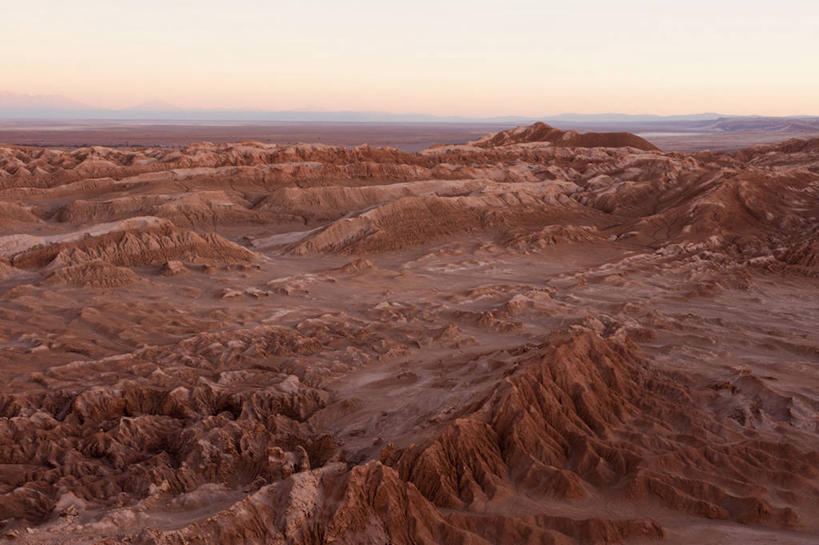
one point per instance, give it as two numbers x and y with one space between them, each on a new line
443 57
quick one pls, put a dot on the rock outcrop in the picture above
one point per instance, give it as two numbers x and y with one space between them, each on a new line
540 337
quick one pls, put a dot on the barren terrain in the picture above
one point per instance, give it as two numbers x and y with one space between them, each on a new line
537 337
729 134
409 137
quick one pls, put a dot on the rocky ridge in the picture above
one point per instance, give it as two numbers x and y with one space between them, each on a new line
540 336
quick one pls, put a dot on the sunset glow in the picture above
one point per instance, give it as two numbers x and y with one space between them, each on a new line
450 58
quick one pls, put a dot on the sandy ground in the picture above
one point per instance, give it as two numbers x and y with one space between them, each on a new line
409 137
510 341
731 141
406 137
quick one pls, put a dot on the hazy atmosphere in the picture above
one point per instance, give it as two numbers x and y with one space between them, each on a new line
544 57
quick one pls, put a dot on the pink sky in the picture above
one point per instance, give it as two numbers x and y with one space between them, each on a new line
448 58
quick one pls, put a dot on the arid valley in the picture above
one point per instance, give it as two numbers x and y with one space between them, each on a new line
536 337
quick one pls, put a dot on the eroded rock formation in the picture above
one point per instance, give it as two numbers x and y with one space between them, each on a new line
537 337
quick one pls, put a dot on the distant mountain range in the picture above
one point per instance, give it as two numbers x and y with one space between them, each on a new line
34 103
56 107
19 106
632 118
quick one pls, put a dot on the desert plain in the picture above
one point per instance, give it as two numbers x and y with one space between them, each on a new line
538 337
